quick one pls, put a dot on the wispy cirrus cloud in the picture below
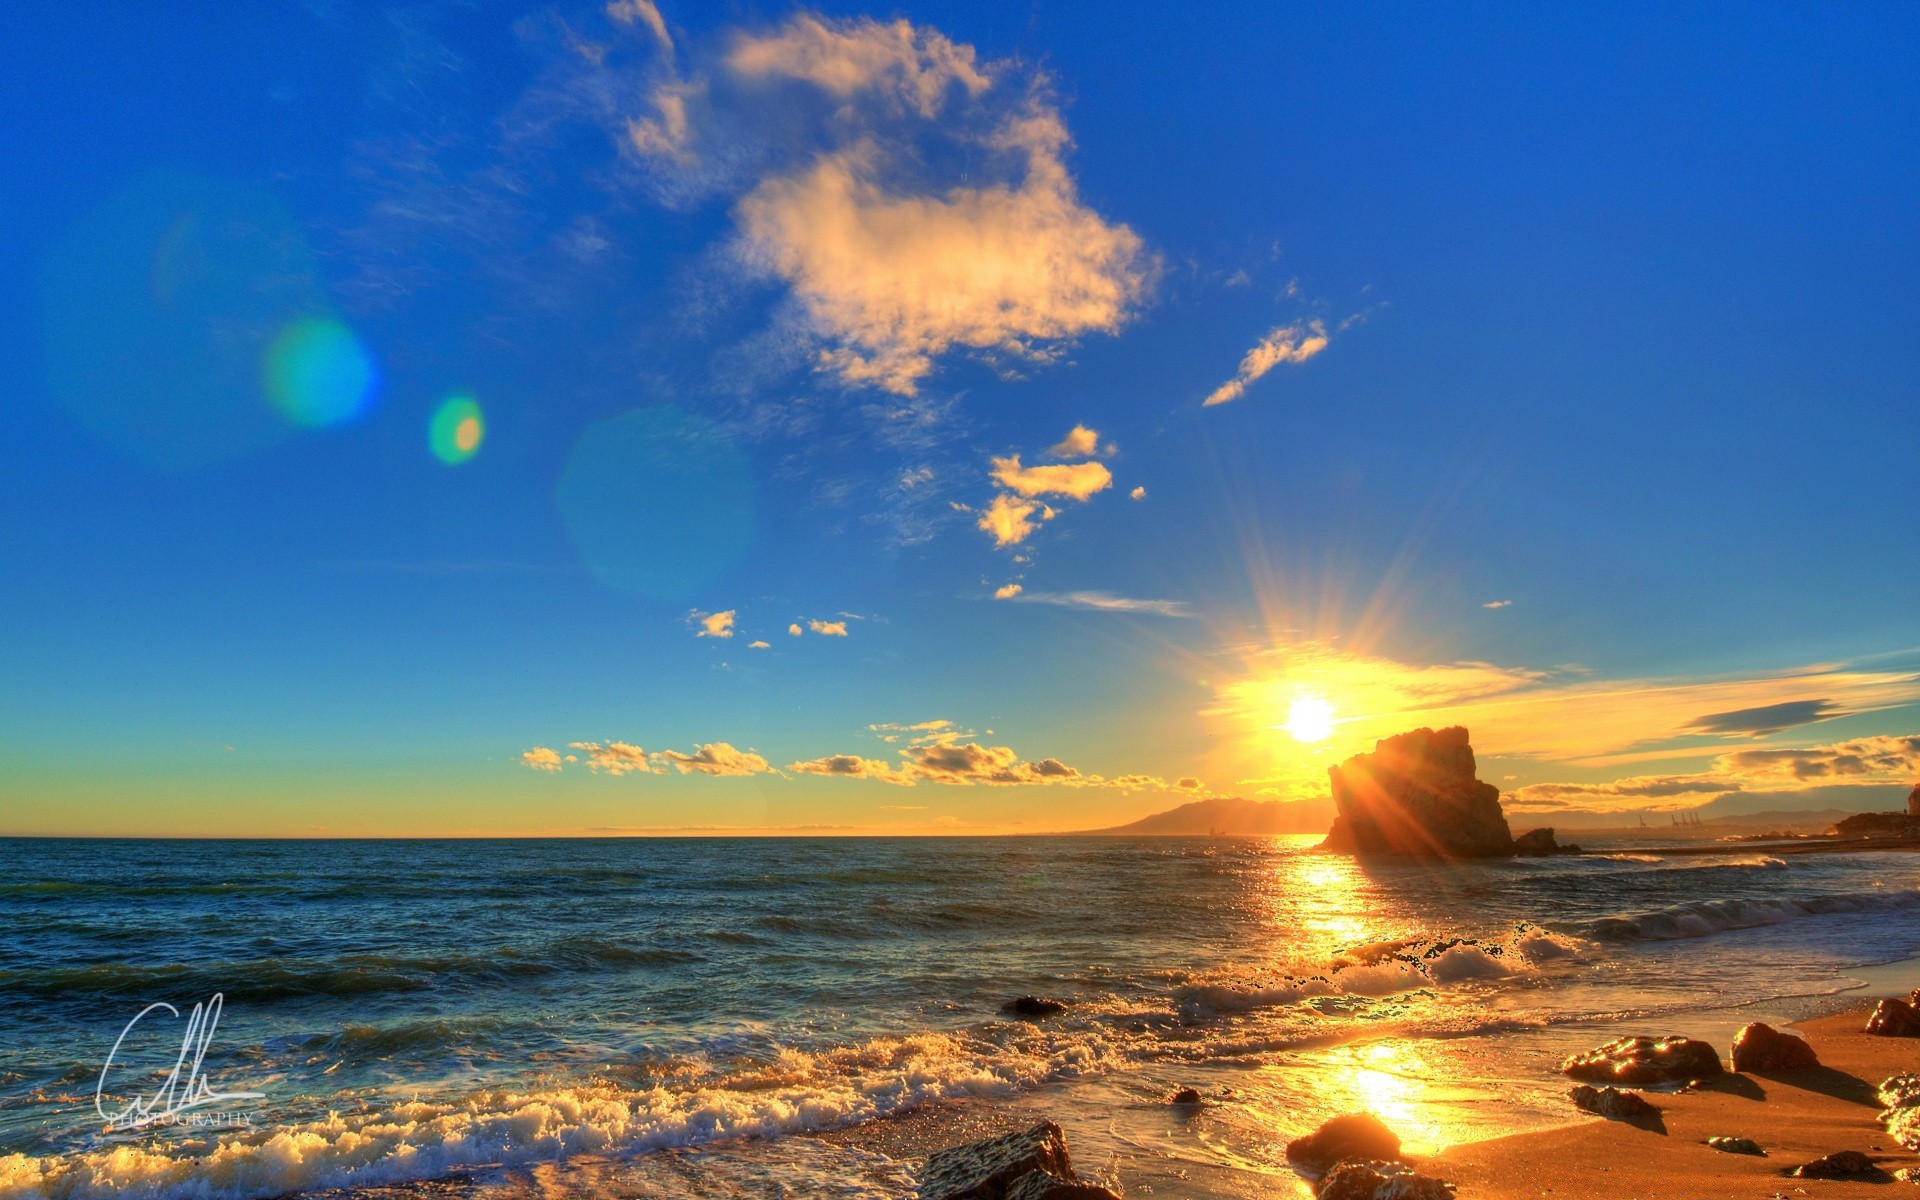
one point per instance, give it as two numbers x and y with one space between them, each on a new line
1095 601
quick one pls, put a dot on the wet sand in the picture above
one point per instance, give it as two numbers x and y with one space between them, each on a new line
1796 1116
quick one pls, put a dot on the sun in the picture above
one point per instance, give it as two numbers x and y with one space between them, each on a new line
1310 719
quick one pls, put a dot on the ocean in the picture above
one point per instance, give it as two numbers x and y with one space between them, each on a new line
801 1017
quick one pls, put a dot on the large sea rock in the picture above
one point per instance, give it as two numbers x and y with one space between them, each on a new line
1417 795
1029 1165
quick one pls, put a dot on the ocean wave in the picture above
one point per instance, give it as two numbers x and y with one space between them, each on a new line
1703 918
354 975
1383 969
796 1092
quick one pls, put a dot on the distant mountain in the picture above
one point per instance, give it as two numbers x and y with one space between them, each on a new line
1232 816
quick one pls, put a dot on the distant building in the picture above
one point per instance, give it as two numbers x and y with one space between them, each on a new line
1913 802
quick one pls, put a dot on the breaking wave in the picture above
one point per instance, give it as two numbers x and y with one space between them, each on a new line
1704 918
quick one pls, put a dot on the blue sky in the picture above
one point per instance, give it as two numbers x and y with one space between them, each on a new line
1606 316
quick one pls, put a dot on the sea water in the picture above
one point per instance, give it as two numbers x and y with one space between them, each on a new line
741 1017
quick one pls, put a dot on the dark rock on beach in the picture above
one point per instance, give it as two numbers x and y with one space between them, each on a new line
1763 1048
1029 1165
1894 1018
1612 1103
1645 1062
1032 1008
1381 1181
1843 1164
1357 1136
1417 795
1185 1096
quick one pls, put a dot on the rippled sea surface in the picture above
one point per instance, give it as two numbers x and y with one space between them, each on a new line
699 1010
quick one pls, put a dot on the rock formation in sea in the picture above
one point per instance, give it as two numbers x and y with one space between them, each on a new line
1417 795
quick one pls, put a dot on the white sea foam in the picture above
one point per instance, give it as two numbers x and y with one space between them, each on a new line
795 1093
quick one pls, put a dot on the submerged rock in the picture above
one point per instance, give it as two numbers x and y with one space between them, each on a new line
1761 1047
1842 1164
1357 1136
1894 1018
1612 1103
1417 795
1381 1181
995 1168
1033 1008
1736 1145
1645 1061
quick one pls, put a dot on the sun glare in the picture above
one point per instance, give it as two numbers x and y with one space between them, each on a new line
1310 719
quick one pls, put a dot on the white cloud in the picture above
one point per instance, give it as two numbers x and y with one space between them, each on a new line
1497 604
1080 442
715 625
1007 591
1287 344
626 12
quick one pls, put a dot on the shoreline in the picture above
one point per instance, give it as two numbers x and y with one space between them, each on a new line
1796 1116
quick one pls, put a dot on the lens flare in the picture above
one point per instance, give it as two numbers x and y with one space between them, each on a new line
456 430
1310 719
318 373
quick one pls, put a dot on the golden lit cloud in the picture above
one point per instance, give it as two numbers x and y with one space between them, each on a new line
918 66
1138 493
1514 712
852 766
645 12
1287 344
715 758
1498 604
1080 442
1007 591
758 646
1077 481
828 628
890 278
1012 520
541 758
715 625
614 758
794 630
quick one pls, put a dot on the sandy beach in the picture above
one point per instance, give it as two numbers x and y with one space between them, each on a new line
1796 1116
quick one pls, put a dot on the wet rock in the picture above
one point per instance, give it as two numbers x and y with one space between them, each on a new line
1416 795
1040 1185
1763 1048
1736 1145
1894 1018
1908 1175
1357 1136
1612 1103
1903 1125
1645 1061
1381 1181
1899 1091
987 1170
1842 1164
1032 1008
1184 1096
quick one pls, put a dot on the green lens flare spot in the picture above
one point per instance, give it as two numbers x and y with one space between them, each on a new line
319 374
457 428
